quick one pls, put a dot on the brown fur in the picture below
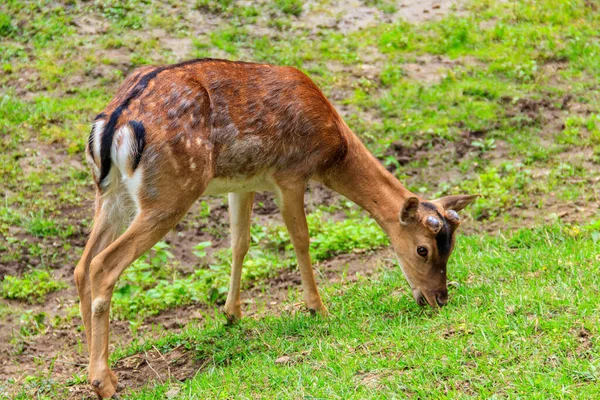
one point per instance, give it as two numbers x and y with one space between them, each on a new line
251 117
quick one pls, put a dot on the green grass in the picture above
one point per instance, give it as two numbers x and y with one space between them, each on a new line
31 287
522 323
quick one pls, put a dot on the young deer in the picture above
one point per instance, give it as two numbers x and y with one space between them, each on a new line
174 133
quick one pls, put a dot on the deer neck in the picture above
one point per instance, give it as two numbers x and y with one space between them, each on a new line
362 179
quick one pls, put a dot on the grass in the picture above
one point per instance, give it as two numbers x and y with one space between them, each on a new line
523 322
32 287
500 100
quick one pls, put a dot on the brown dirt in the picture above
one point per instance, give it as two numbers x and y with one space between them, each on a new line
349 16
430 69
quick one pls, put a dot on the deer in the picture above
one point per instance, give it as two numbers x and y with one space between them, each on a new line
177 132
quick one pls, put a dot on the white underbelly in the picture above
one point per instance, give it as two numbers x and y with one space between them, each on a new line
257 183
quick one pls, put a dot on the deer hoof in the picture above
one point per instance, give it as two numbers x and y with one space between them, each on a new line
104 388
232 317
322 311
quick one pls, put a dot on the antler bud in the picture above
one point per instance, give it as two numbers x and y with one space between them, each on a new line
453 217
433 224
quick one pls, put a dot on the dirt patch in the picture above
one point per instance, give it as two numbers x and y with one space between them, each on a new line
446 152
89 25
341 16
430 69
139 369
356 15
38 156
548 111
426 10
152 366
180 47
264 204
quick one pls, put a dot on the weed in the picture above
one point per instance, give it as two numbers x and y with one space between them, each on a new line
32 287
292 7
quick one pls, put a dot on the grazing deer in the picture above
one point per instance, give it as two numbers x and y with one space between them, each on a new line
174 133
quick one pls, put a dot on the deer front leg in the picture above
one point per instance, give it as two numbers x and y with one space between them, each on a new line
291 199
240 211
105 269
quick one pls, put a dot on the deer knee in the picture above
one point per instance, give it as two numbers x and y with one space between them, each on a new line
100 306
96 270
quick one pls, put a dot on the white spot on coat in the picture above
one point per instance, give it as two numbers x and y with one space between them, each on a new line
172 158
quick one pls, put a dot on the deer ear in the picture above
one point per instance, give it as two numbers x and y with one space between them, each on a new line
456 203
408 213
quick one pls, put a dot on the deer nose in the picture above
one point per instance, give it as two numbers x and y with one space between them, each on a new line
441 297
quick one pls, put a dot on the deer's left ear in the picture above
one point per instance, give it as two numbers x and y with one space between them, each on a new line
456 203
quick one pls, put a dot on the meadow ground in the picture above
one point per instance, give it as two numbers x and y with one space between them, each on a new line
494 97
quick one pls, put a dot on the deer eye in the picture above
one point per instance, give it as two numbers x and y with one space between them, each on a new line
422 251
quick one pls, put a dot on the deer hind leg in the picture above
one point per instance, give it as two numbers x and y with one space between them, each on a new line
109 221
144 232
291 199
240 211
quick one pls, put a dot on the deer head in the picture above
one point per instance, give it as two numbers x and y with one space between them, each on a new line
424 243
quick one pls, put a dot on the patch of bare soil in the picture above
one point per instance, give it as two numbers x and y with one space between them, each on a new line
445 152
431 69
354 15
426 10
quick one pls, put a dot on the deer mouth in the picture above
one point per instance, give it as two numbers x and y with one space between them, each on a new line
433 301
419 298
